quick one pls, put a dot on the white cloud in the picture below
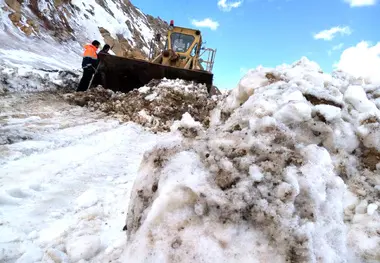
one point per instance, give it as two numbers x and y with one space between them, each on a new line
228 6
207 22
358 3
329 34
362 60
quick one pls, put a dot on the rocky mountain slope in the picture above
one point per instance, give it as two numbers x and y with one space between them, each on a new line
71 22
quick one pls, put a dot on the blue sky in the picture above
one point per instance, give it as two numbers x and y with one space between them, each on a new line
272 32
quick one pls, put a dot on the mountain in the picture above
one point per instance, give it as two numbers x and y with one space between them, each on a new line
53 31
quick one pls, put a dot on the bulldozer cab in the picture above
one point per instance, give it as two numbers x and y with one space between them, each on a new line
184 41
183 49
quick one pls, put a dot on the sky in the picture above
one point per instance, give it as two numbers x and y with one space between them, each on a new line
337 34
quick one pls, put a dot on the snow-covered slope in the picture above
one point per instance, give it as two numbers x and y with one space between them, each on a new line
289 171
50 34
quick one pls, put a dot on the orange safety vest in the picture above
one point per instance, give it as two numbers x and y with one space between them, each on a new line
90 52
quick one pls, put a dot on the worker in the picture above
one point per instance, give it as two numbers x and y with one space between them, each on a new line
99 76
89 64
105 49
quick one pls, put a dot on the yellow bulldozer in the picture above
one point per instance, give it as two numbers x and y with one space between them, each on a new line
183 57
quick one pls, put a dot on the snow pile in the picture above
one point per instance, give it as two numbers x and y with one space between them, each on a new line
155 105
14 79
288 171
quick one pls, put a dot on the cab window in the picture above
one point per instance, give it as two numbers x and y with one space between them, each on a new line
181 42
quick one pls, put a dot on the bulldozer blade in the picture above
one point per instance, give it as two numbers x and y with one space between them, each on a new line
124 74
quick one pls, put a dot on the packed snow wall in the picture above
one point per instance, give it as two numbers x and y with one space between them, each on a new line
288 171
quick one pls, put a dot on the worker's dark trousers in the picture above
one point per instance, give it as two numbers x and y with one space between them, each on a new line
86 78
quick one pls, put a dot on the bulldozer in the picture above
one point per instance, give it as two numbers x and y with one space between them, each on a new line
183 57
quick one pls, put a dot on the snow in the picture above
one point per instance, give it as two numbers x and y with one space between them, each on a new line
255 173
84 247
186 122
146 32
57 201
20 79
356 96
371 209
32 254
36 52
281 166
184 195
362 207
330 113
87 199
294 113
289 162
115 23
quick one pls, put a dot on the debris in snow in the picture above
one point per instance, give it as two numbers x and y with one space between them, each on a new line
156 105
237 202
187 126
271 171
328 113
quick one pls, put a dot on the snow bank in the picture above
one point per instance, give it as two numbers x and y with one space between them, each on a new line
155 105
16 79
288 171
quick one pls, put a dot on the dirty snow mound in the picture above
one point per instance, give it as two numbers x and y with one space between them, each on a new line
288 171
155 105
15 79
